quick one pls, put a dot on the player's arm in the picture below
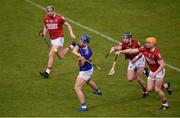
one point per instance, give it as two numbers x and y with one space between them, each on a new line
42 33
139 54
44 30
137 57
129 51
80 58
161 67
115 49
70 30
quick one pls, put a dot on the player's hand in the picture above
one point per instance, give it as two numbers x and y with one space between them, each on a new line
135 59
112 49
118 52
41 34
81 58
72 36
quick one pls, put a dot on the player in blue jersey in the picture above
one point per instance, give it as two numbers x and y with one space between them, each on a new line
85 70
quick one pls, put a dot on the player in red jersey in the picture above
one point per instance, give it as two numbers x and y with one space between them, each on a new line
157 69
54 23
136 60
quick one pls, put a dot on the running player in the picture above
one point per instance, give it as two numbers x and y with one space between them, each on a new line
54 23
136 60
157 69
84 53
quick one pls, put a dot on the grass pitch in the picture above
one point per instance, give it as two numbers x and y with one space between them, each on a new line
23 92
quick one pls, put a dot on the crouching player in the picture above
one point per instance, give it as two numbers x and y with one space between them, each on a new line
157 69
84 53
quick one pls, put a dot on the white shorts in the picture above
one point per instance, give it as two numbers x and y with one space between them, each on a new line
160 75
58 42
139 63
85 75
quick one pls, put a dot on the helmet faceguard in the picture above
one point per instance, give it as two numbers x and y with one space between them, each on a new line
84 40
50 8
50 11
126 37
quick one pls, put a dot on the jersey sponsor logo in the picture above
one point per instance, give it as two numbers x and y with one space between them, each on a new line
150 61
52 26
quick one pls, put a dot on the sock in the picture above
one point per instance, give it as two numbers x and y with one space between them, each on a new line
145 92
164 102
48 70
83 106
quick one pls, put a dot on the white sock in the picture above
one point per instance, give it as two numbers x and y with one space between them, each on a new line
48 70
165 85
146 92
165 104
84 106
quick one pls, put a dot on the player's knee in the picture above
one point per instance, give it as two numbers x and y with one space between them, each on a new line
130 79
157 90
61 56
139 78
149 89
51 54
77 88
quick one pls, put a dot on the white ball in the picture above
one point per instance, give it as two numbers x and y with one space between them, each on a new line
55 49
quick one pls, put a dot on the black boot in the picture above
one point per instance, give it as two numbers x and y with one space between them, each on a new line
44 74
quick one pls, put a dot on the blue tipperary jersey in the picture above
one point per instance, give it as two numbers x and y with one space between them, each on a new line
86 53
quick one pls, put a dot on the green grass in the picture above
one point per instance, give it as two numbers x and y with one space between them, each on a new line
24 93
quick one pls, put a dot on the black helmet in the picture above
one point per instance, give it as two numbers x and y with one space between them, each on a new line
127 35
50 8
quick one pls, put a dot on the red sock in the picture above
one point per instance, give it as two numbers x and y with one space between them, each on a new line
162 86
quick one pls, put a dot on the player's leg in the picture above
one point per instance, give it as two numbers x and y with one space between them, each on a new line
82 78
139 74
78 89
161 94
131 72
150 85
62 52
93 85
131 75
140 64
50 61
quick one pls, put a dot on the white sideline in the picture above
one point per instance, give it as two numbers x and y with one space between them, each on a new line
92 30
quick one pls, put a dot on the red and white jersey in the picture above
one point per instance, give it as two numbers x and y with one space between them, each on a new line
134 44
54 26
152 58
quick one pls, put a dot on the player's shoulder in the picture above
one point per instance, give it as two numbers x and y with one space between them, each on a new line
157 50
46 17
142 49
135 40
60 17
